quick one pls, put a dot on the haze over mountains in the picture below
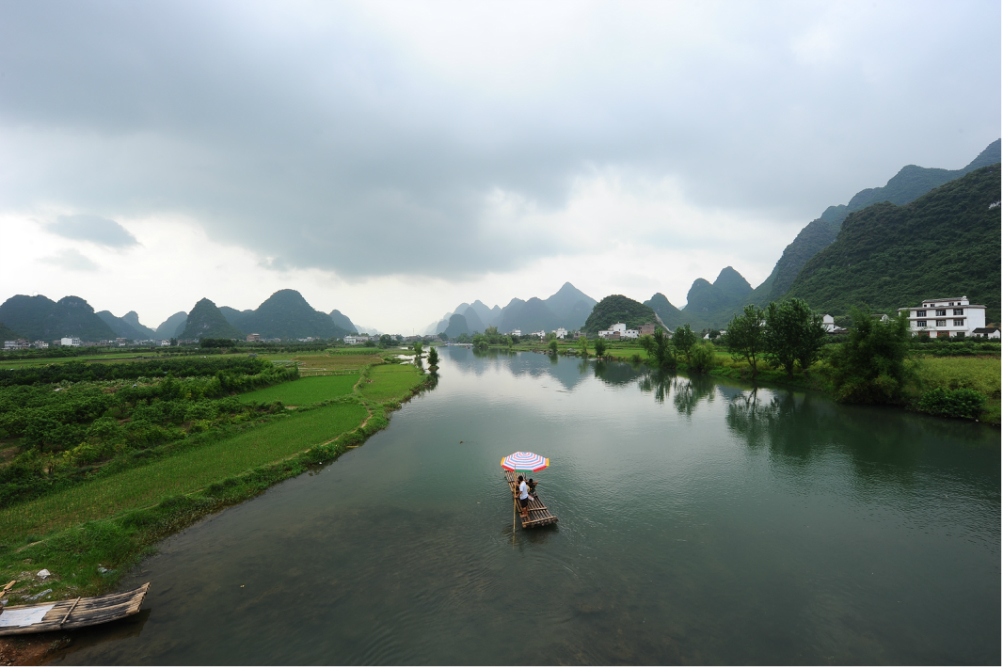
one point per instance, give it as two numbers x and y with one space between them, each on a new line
569 307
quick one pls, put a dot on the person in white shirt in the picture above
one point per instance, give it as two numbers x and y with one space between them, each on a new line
523 497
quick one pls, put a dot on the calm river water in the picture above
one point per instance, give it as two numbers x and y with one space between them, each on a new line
700 522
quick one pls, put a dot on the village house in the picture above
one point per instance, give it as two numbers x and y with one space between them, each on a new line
70 342
986 332
614 332
356 339
648 329
941 318
15 345
515 332
631 333
253 338
561 332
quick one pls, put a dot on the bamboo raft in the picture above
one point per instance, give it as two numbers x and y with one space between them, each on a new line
539 514
71 614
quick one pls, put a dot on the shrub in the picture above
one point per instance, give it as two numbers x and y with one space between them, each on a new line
702 357
959 403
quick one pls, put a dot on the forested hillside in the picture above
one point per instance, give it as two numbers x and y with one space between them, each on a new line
907 185
6 333
618 308
41 318
205 321
944 244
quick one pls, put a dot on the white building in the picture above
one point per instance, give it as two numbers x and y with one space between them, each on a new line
15 345
40 345
70 342
356 339
631 333
515 332
987 332
945 317
561 332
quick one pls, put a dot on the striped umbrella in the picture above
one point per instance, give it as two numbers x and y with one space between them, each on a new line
525 461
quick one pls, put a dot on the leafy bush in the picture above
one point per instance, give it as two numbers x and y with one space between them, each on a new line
959 403
702 357
870 366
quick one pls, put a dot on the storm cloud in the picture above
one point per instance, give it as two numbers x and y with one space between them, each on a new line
419 138
93 228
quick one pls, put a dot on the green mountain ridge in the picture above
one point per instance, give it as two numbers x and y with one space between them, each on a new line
618 308
205 321
945 243
127 328
41 318
342 321
172 326
907 185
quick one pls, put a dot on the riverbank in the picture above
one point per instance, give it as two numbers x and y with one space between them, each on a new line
88 535
931 371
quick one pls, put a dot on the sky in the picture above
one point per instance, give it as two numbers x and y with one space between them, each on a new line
393 159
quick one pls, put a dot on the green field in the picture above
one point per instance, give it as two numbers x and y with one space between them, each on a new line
181 474
304 391
390 382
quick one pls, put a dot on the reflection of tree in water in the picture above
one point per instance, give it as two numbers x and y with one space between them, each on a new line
686 392
616 373
659 382
884 445
690 391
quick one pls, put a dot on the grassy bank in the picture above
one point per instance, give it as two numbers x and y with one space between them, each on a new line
932 366
87 535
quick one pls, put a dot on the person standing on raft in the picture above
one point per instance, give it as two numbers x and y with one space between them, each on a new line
523 497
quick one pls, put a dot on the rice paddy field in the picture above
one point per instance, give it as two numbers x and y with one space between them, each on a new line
324 363
390 381
181 474
305 390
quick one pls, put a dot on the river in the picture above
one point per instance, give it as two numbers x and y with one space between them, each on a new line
700 522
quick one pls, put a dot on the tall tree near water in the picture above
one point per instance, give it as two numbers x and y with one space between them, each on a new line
794 334
746 336
684 340
870 366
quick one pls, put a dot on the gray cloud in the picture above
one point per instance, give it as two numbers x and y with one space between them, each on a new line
71 259
329 141
92 228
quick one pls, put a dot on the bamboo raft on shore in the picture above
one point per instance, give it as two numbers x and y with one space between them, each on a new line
539 514
71 614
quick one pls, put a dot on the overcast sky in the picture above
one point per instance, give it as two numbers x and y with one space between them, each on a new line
394 159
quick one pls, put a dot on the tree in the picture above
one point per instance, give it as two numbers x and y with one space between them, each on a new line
553 346
551 336
385 340
659 349
793 334
583 345
432 357
418 348
599 347
869 367
746 336
443 336
702 357
684 340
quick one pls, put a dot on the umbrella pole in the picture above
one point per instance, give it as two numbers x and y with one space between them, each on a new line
514 503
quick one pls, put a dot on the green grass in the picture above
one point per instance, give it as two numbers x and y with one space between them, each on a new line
304 391
983 374
180 474
390 381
